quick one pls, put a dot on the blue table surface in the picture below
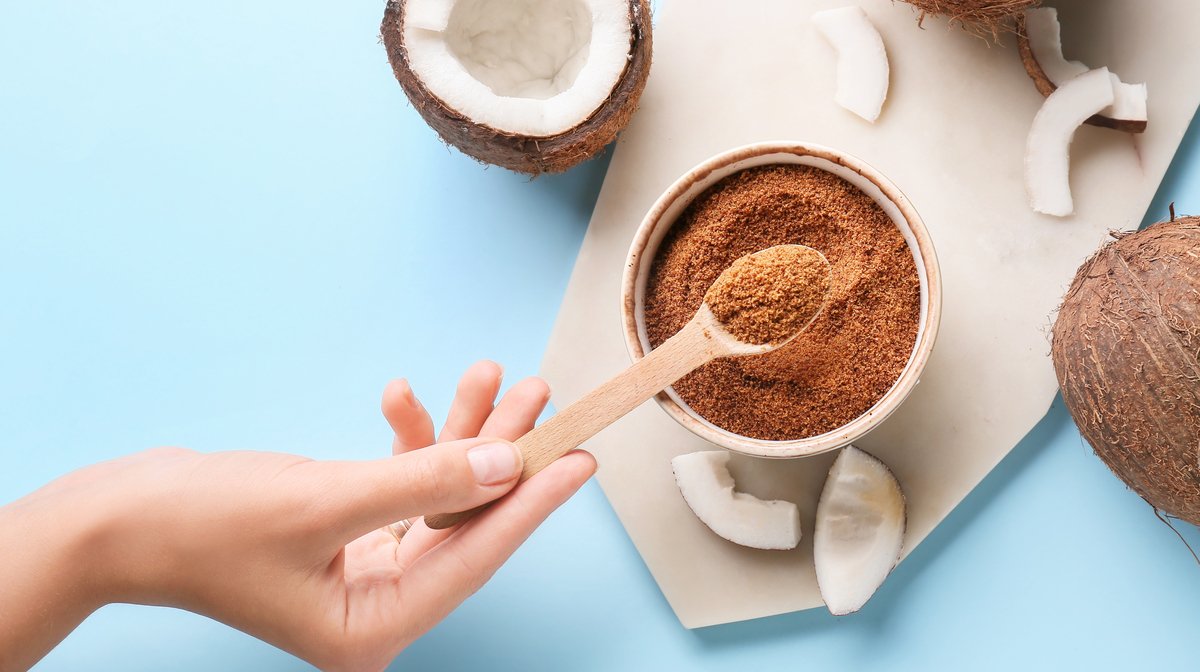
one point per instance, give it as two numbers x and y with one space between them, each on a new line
222 226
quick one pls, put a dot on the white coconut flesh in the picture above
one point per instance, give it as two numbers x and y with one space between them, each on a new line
859 530
1047 150
534 68
1129 101
709 490
1045 40
862 63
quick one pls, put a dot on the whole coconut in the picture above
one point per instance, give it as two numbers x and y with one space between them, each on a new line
1127 352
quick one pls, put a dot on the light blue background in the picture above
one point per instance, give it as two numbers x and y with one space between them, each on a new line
222 226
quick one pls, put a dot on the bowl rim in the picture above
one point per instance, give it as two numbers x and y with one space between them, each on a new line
924 254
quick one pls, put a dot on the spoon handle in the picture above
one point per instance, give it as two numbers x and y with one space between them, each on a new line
679 355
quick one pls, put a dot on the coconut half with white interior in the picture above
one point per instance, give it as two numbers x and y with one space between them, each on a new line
535 86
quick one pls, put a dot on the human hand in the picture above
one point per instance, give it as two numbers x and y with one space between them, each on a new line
290 550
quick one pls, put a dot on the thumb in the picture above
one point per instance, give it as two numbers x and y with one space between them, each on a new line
443 478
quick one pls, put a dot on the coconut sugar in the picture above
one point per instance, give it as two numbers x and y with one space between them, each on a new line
769 296
851 354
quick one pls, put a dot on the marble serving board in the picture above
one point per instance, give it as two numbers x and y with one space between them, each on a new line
952 137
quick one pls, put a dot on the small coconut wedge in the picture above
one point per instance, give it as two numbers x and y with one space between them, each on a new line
531 85
862 62
859 531
1129 104
1047 149
1044 33
708 488
1039 40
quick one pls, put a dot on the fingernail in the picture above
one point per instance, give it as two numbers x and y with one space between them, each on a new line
407 392
494 463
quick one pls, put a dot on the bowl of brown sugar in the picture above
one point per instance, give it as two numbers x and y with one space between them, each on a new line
857 361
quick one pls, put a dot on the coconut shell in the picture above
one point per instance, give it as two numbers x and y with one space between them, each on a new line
1127 353
525 154
985 18
1047 87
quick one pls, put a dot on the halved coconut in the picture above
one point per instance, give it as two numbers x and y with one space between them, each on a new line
532 85
862 63
1047 150
859 531
1039 41
708 488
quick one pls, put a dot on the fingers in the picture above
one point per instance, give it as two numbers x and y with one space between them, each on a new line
513 417
471 413
472 401
517 412
453 476
408 418
449 573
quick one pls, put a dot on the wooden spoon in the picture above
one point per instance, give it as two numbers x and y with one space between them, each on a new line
788 283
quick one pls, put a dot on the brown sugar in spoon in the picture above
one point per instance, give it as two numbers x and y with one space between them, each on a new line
758 304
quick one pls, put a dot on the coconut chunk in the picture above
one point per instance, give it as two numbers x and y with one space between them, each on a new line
1129 101
862 63
859 531
1047 150
1045 38
1044 32
527 67
708 488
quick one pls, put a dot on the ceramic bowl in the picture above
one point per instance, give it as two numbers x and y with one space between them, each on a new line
871 182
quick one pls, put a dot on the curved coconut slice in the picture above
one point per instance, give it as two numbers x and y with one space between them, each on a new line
532 85
1045 39
859 530
862 63
1047 150
704 481
1040 43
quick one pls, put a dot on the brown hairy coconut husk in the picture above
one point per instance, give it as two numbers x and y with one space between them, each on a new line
525 153
985 18
1046 87
1127 353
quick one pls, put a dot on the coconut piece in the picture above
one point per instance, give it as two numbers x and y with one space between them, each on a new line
1125 350
1129 102
1047 150
532 85
1044 32
859 531
862 63
708 488
1039 41
1045 39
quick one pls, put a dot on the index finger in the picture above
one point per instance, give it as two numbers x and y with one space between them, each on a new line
410 422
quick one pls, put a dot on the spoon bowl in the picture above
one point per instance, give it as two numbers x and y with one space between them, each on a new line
766 299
